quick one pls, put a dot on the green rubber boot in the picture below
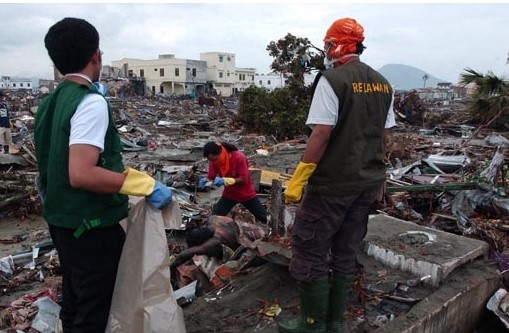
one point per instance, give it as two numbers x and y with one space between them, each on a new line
339 290
314 300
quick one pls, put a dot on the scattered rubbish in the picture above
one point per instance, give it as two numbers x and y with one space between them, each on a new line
495 305
186 294
47 315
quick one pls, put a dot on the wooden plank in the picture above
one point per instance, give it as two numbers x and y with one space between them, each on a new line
267 177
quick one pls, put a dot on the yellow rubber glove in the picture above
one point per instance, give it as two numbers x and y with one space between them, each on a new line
293 192
228 181
137 183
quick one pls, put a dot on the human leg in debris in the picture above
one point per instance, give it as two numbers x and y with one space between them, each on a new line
89 264
200 241
256 208
223 206
5 139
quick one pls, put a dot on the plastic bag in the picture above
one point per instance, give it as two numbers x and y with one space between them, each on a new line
47 317
143 300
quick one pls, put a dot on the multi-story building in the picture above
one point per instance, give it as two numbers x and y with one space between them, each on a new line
220 71
16 83
196 77
167 74
273 80
244 78
215 71
269 81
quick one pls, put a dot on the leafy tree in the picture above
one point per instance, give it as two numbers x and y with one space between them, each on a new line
275 113
283 112
294 56
254 109
490 102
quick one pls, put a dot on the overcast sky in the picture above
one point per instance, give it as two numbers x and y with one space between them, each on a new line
441 39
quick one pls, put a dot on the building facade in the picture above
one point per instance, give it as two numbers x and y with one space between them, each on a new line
220 72
215 72
166 75
244 78
272 81
15 83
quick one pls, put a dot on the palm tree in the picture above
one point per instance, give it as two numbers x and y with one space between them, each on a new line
425 78
491 96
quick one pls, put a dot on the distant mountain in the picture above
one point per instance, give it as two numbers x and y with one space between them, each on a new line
404 77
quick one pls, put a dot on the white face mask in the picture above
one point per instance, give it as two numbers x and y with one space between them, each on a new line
328 63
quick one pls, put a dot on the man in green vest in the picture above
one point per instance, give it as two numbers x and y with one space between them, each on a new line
344 171
82 180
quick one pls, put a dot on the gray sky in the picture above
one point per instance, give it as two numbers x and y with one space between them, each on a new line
441 39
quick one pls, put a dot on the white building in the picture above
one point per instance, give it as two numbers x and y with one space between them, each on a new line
14 83
272 81
167 74
269 81
220 71
244 78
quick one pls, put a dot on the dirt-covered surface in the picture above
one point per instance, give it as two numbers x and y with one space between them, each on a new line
19 236
242 305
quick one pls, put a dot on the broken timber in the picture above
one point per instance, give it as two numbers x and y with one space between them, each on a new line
432 187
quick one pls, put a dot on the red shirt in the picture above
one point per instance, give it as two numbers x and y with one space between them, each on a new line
239 168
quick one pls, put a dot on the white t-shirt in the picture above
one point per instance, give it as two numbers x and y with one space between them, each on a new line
90 122
325 105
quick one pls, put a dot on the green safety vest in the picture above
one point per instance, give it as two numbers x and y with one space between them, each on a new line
65 206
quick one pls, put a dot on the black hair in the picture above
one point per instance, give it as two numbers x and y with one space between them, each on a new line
199 236
360 48
71 43
211 148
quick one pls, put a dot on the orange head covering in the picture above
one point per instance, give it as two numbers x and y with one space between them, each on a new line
223 161
344 34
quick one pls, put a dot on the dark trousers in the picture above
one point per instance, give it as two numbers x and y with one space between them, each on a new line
224 205
329 227
89 269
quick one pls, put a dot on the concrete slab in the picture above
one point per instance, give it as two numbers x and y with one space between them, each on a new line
12 159
455 307
417 249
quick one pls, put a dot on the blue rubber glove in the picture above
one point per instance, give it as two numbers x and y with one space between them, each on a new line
202 183
160 196
218 181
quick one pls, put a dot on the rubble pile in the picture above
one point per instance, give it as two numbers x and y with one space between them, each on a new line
442 174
